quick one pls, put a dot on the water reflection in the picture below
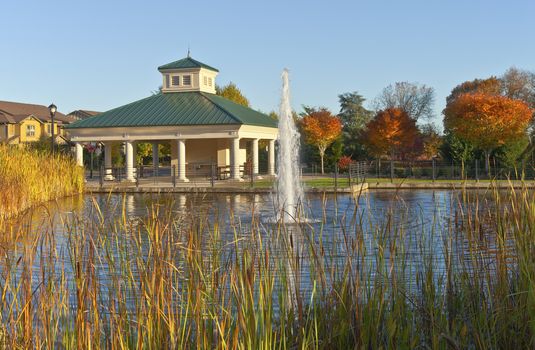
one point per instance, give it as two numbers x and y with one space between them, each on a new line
419 224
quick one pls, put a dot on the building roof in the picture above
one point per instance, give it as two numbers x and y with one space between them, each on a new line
14 112
82 114
186 63
175 109
6 118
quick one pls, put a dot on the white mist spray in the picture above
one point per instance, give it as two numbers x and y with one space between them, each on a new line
289 189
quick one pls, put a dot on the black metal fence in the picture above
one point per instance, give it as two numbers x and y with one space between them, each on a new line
427 169
355 172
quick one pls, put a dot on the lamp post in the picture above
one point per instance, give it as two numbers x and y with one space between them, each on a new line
52 108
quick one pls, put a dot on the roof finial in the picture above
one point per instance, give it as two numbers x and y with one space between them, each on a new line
189 52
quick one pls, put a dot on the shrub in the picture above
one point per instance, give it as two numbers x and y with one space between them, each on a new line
344 162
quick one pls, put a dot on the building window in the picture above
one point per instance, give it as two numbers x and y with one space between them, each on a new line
175 80
205 80
186 80
209 81
167 81
30 130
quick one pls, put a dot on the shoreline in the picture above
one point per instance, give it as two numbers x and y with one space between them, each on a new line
200 188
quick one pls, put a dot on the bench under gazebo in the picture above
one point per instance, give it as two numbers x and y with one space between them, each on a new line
202 127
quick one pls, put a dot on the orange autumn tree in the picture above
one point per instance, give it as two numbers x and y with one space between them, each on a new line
431 141
489 86
391 131
321 128
487 121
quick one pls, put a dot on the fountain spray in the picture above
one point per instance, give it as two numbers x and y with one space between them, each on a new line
289 189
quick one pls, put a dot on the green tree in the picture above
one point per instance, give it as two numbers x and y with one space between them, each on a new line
144 150
117 155
231 92
509 154
354 117
457 150
307 110
273 115
158 91
334 152
164 149
353 114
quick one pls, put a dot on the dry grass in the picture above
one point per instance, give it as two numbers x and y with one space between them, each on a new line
169 282
30 177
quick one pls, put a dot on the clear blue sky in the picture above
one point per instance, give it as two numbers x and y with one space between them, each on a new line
102 54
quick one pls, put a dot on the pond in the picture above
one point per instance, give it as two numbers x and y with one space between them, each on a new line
420 225
141 264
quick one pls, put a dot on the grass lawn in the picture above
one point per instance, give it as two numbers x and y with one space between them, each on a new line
328 182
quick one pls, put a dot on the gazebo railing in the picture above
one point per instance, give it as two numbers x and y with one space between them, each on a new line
168 173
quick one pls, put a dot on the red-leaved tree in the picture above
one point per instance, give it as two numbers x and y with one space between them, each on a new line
391 131
321 128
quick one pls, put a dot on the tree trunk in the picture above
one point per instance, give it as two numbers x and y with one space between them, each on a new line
322 153
487 163
392 165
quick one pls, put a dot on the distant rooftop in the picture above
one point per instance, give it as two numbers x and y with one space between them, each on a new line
14 112
82 114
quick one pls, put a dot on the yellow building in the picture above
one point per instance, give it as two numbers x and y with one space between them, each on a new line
23 122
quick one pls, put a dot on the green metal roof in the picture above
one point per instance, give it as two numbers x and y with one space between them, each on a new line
177 108
186 63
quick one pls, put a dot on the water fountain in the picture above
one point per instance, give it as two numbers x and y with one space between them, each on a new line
289 189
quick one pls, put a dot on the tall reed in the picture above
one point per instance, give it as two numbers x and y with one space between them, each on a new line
29 177
169 280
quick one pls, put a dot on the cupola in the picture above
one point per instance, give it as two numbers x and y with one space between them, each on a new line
188 74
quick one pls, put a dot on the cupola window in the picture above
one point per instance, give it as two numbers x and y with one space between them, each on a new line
188 75
186 80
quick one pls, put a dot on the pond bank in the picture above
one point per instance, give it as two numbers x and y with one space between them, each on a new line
200 187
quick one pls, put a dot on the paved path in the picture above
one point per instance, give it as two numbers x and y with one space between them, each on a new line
153 186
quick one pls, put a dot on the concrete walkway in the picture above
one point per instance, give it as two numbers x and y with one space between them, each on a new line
263 186
454 185
200 187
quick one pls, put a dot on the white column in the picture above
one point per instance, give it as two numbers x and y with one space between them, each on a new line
271 157
134 152
235 159
155 156
108 161
129 154
79 154
254 152
181 171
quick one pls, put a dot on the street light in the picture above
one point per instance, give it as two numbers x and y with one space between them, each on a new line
52 108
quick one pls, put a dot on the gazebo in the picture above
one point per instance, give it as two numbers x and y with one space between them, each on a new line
202 127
